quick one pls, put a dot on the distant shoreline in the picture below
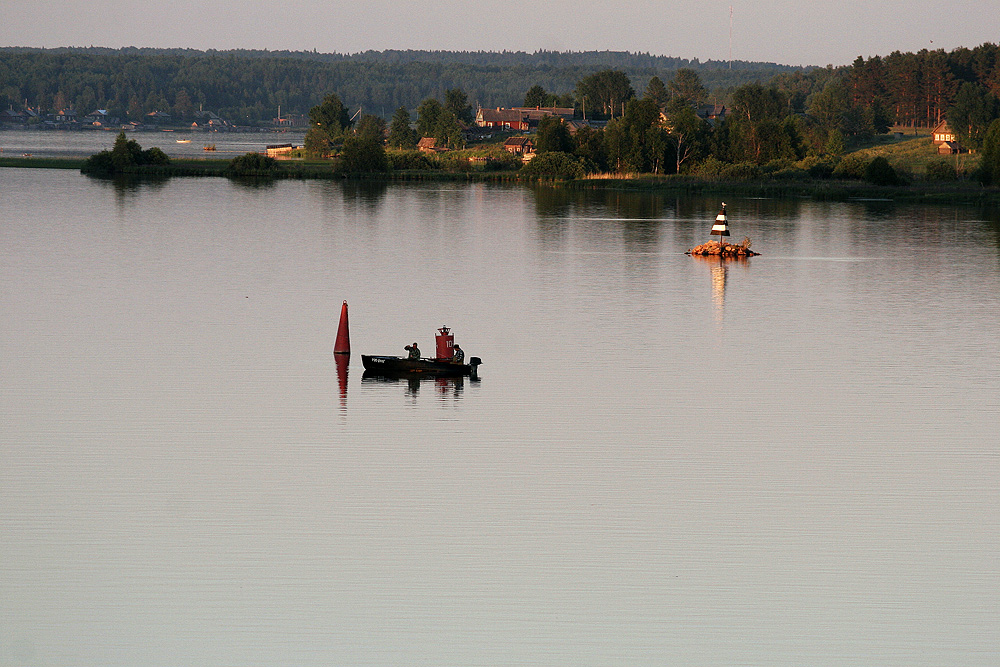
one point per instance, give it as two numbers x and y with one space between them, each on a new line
959 193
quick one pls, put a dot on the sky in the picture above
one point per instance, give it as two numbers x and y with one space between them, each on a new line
779 31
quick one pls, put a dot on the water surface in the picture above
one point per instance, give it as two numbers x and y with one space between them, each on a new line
785 461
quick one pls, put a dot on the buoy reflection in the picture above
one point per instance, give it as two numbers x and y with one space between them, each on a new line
342 361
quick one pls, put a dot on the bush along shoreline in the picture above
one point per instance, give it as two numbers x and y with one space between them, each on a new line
855 176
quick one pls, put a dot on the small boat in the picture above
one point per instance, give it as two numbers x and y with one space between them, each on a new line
210 147
401 366
183 141
445 364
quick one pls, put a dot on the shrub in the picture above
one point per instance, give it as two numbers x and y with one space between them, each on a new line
816 167
252 164
851 166
880 172
941 170
742 171
774 166
400 160
710 168
554 164
126 157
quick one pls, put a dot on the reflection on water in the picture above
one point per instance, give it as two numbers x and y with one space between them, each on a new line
444 387
342 361
813 482
719 272
254 183
365 195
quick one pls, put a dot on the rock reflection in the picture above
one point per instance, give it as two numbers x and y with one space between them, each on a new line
719 271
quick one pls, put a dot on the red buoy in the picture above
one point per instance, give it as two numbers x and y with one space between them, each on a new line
343 344
445 344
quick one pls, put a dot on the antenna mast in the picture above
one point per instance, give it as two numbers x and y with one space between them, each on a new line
730 36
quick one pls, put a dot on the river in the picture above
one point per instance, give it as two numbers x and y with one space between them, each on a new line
791 460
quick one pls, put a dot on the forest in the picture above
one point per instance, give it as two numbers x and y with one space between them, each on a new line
778 119
247 87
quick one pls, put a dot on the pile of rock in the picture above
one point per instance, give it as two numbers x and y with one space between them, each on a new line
723 249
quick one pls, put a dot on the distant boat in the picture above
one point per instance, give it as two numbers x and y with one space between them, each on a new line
183 141
210 147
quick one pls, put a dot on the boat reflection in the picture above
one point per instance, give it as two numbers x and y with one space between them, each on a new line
444 386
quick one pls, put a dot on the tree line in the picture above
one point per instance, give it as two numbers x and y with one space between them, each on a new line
793 126
247 87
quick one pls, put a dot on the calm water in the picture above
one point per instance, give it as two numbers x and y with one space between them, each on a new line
84 143
788 461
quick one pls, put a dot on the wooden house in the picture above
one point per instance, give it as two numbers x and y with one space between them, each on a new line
536 114
13 117
713 113
519 145
949 148
945 139
942 133
430 145
102 117
503 119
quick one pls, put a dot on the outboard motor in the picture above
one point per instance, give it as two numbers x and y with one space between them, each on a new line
474 363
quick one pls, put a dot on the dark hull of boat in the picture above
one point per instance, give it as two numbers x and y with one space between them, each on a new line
403 367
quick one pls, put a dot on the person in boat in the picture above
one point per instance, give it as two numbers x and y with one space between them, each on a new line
413 350
458 354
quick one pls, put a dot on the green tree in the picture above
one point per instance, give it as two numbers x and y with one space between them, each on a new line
755 129
330 117
427 116
448 130
972 113
183 106
535 97
989 167
457 102
125 153
553 135
686 85
687 132
401 135
134 108
607 90
656 91
628 138
835 145
829 105
591 149
317 142
364 150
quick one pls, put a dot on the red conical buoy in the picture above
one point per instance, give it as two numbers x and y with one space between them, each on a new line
343 344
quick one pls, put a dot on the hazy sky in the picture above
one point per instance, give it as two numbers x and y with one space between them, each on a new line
782 31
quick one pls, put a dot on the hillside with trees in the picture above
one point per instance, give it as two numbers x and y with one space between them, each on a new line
247 87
